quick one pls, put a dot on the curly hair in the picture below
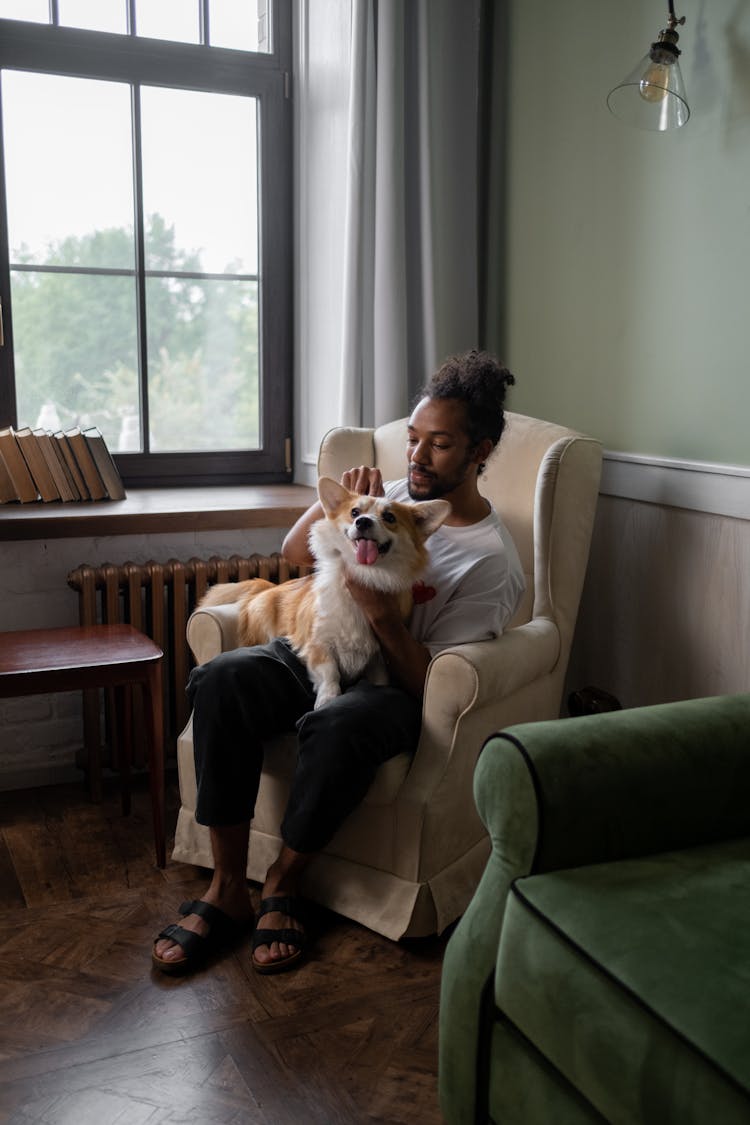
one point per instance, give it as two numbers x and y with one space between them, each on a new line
479 381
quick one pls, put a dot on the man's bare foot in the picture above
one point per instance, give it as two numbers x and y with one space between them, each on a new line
275 952
231 899
280 939
281 911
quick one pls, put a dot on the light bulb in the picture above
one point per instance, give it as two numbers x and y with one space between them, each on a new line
661 103
654 86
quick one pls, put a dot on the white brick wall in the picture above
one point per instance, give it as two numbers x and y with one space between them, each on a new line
39 735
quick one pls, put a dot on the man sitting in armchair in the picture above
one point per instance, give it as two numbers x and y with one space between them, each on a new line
242 697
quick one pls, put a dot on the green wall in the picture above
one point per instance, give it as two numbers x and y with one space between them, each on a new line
627 258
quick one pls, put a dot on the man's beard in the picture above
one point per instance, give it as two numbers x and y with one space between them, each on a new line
437 487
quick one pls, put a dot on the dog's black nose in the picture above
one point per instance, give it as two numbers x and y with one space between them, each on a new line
363 523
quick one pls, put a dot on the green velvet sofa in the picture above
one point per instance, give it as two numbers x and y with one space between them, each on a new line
602 969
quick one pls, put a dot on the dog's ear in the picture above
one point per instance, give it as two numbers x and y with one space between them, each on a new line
332 494
429 515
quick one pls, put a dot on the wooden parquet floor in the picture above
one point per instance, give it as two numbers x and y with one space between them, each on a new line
91 1035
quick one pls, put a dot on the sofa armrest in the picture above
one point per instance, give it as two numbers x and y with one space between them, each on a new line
629 783
211 630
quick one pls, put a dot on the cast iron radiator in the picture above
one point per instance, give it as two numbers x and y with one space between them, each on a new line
156 598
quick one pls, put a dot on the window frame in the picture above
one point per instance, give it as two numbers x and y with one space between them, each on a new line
72 52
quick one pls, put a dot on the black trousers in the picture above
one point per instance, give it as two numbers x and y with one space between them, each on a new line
243 697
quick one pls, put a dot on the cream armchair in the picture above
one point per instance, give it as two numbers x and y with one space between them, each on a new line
407 861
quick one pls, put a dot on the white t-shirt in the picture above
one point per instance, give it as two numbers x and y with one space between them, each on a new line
472 585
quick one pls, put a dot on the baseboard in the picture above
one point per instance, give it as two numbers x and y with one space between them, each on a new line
35 776
722 490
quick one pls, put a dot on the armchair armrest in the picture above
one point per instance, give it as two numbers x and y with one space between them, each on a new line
466 692
626 783
487 671
211 630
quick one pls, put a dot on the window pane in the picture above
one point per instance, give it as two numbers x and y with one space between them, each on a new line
244 26
96 15
203 364
169 19
35 11
75 350
69 170
200 175
164 350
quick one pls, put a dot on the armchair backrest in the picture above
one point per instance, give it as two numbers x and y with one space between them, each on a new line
542 478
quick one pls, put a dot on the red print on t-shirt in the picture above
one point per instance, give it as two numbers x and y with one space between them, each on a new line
422 593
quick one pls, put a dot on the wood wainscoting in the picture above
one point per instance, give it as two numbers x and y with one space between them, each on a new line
665 611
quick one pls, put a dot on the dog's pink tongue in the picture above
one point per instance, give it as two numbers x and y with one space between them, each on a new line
367 551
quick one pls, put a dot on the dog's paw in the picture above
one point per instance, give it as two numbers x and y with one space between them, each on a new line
325 695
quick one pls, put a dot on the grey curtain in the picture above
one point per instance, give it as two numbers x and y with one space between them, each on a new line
415 229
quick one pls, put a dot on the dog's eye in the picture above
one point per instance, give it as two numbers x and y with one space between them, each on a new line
389 517
354 513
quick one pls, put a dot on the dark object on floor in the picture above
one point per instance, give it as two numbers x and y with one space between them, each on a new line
592 701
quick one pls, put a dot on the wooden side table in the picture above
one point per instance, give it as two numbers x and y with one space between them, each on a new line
36 661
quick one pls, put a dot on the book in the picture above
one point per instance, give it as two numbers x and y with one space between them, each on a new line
86 463
71 490
7 488
49 452
68 465
38 467
108 471
70 461
15 463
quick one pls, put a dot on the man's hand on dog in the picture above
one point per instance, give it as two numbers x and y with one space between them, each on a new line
377 606
365 481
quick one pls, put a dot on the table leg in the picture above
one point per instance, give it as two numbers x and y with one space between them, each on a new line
154 708
123 719
93 742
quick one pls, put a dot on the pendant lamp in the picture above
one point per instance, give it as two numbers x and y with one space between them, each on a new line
653 95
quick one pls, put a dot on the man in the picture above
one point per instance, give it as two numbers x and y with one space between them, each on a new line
471 589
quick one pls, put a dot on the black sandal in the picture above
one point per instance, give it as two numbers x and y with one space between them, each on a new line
197 947
293 908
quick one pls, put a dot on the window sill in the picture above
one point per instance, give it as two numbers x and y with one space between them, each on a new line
157 510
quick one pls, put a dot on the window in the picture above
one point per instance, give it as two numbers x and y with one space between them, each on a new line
145 242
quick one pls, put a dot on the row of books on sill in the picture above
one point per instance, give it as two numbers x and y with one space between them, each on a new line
68 465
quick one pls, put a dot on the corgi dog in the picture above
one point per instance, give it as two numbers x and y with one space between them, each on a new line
379 543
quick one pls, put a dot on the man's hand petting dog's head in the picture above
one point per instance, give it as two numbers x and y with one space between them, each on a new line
364 481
